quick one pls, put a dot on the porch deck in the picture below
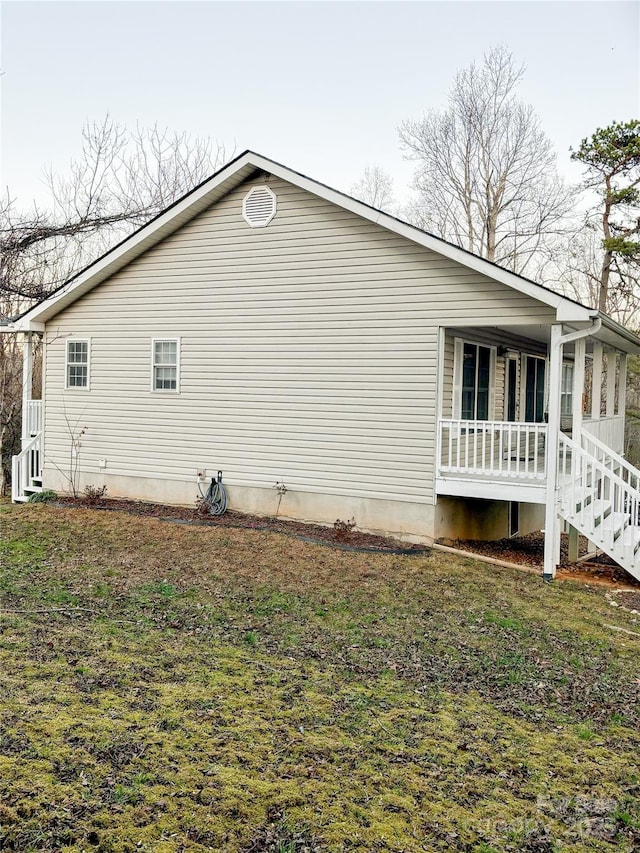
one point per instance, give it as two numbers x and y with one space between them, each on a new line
498 460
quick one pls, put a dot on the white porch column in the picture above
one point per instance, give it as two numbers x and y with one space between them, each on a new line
596 387
551 522
580 347
622 384
611 382
578 388
27 379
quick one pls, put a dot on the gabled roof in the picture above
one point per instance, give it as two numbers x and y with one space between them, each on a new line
243 168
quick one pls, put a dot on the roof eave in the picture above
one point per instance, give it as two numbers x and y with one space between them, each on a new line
234 173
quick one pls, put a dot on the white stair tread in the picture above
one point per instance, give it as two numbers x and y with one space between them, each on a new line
596 509
631 537
617 521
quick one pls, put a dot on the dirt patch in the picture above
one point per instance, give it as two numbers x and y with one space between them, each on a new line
629 599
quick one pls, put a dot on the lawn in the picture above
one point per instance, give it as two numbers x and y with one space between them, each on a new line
168 687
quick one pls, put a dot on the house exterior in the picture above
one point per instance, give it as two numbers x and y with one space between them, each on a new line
279 331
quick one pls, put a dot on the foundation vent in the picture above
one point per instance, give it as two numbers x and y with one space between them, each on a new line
259 207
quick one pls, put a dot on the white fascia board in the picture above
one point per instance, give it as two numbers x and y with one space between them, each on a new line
22 326
232 175
141 240
571 312
521 491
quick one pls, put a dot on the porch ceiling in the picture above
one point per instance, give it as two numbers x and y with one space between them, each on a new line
542 334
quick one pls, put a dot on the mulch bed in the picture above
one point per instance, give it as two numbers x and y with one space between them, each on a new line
529 551
348 540
521 550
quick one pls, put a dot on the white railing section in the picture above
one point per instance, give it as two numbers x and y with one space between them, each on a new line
612 460
598 502
498 449
31 418
609 431
26 469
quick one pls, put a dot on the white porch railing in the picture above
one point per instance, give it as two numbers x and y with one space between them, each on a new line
611 460
31 418
26 469
492 449
610 431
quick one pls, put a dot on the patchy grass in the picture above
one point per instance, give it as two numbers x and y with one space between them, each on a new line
173 688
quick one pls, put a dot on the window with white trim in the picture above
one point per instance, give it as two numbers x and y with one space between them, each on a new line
77 364
566 389
165 364
474 381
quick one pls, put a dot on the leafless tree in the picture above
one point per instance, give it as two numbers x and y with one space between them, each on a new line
120 180
375 188
486 174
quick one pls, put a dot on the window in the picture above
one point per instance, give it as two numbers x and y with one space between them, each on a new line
77 364
476 381
566 390
534 390
165 364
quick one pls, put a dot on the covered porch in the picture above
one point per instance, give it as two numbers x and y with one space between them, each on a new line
505 395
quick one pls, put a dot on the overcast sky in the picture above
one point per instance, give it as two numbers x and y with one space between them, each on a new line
319 86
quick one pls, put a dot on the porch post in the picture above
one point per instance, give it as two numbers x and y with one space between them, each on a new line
551 522
580 348
578 388
622 385
439 399
27 380
596 387
611 382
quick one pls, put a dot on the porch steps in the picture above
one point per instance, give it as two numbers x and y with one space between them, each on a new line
598 496
34 487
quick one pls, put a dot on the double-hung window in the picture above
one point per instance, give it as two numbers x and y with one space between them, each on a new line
566 390
77 364
474 369
165 364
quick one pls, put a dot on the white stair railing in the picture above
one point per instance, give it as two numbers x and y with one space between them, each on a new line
31 418
595 447
600 503
26 469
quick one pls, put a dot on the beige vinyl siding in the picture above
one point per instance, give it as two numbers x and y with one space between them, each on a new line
308 353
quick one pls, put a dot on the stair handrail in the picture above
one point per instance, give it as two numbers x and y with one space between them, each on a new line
624 499
20 476
580 451
587 438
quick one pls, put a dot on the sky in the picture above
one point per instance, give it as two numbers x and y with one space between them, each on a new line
319 86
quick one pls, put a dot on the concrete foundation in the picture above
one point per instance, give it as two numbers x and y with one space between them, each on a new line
452 517
474 518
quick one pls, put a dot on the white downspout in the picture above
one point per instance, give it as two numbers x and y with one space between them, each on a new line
552 525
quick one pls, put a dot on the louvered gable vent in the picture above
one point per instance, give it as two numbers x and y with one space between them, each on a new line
259 207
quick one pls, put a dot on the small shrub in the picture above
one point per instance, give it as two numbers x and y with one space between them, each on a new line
93 494
43 497
343 529
202 507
